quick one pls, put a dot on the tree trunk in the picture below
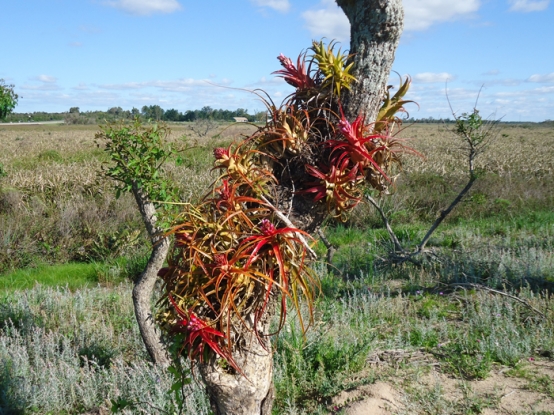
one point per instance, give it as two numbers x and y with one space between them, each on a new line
375 29
249 393
144 285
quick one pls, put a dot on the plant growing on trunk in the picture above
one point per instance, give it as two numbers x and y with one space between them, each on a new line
241 257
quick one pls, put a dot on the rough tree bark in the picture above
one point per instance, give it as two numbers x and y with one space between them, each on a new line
144 285
375 29
376 26
249 393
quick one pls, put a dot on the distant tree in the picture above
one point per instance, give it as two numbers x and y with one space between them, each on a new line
189 116
152 112
241 112
74 110
172 115
260 116
205 112
8 99
135 112
115 111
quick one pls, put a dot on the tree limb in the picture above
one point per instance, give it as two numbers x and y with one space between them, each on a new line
144 285
505 294
397 246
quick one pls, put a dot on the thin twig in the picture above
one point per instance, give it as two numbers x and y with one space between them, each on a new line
394 239
492 290
331 249
444 214
325 241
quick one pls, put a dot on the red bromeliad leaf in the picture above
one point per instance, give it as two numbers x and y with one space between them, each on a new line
337 186
297 76
275 239
195 328
358 148
230 198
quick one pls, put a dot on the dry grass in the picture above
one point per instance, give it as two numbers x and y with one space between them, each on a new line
515 174
54 204
56 207
525 149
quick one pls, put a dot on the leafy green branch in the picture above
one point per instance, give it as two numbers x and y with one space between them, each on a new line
139 152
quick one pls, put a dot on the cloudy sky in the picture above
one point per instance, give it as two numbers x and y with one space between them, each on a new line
184 54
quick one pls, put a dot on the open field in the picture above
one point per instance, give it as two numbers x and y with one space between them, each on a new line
431 338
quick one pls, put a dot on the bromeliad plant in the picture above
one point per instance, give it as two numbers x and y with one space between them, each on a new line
237 257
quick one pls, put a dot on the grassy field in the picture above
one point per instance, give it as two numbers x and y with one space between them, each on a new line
434 336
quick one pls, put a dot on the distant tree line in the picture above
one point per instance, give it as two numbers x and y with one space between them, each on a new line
157 113
148 112
428 120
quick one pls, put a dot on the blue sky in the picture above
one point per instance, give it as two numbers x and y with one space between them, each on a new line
184 54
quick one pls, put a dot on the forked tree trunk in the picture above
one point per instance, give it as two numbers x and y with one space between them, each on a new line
375 29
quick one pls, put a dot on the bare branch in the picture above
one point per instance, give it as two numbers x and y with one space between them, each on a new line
505 294
397 246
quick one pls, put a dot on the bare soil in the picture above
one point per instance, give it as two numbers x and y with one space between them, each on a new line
528 390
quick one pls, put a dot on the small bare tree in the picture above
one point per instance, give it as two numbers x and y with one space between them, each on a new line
475 134
203 126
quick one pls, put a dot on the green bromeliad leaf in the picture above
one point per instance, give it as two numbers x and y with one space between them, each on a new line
392 105
333 66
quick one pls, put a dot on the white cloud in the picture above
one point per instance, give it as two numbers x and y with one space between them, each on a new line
548 78
512 103
502 82
533 102
328 21
45 78
431 77
279 5
528 5
42 87
179 85
145 7
491 82
421 14
47 83
81 87
492 72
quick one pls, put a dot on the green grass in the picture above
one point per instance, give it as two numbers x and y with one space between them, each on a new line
76 275
69 352
72 275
